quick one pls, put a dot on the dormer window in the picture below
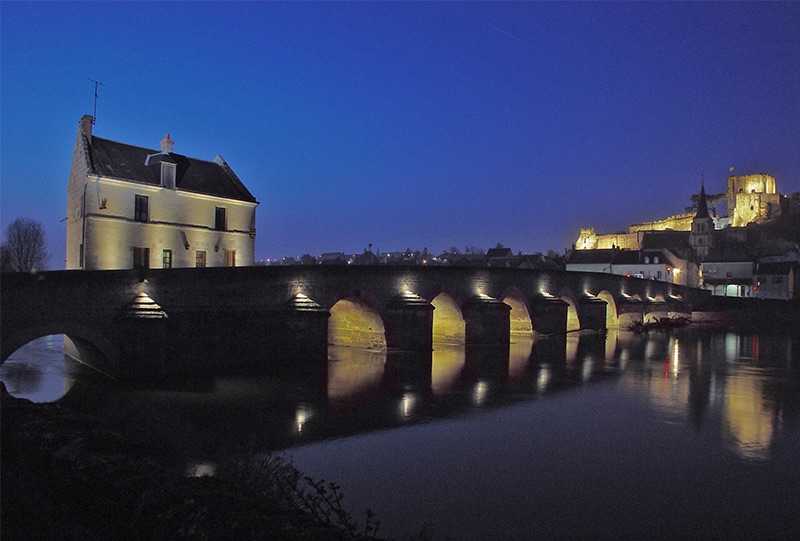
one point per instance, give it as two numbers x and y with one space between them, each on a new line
168 175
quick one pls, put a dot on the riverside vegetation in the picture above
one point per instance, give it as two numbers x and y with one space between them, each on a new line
64 477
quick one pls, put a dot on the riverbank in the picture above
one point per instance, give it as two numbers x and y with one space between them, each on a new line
64 478
749 315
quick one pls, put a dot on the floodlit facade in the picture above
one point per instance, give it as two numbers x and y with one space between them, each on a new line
752 198
133 207
749 198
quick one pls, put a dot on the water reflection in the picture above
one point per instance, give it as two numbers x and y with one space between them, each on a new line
448 365
651 434
519 356
748 418
355 377
735 386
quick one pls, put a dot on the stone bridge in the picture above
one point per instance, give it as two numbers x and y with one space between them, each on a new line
135 324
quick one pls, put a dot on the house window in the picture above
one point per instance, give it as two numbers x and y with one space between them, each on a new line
199 258
230 258
728 275
141 211
219 219
141 258
168 175
655 260
167 259
658 275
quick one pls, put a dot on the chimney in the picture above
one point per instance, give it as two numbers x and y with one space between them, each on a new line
86 124
166 145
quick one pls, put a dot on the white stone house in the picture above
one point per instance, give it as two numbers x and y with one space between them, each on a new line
728 271
778 280
133 207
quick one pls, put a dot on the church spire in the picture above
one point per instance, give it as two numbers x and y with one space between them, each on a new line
701 237
702 204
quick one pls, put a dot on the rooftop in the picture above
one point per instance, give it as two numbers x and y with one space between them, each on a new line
128 162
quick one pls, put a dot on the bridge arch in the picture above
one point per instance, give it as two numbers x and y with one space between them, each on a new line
573 318
521 323
357 321
448 320
612 316
85 344
630 309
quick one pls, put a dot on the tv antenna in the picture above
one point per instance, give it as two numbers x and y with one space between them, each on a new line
96 84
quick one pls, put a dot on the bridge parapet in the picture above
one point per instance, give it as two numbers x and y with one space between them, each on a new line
218 317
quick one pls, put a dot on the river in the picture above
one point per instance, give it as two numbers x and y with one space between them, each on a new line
679 434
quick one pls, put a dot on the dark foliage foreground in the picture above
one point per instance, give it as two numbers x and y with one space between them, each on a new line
64 478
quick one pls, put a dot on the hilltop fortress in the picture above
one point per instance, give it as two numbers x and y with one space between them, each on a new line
750 199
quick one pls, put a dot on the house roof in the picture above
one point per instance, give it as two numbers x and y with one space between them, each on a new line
777 267
603 256
129 162
728 252
671 240
492 253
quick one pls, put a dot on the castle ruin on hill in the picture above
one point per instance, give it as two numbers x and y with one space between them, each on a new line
750 199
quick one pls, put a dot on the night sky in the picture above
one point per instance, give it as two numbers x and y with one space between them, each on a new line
411 125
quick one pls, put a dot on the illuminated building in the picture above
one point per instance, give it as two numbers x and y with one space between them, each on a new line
750 199
133 207
701 249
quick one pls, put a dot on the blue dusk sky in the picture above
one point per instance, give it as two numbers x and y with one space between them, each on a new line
411 124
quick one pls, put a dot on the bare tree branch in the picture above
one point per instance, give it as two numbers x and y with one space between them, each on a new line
24 248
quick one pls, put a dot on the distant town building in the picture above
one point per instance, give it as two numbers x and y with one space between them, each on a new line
728 270
134 207
778 280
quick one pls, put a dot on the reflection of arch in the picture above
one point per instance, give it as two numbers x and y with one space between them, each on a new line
447 367
356 323
612 319
354 377
573 321
519 316
448 323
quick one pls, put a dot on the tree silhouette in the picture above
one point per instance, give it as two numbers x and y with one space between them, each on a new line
24 248
711 201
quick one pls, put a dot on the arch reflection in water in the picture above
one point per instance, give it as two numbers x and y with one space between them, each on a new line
355 377
447 369
519 356
571 351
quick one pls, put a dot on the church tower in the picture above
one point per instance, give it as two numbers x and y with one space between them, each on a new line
701 236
